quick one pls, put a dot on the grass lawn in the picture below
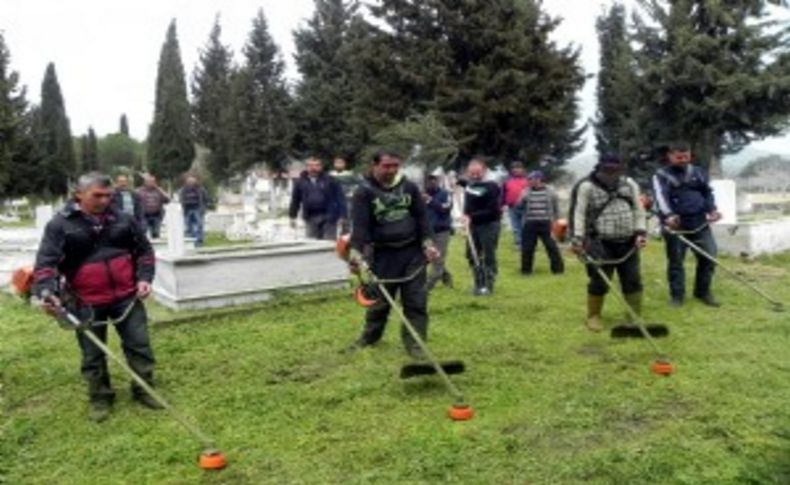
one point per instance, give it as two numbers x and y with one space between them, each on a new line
555 403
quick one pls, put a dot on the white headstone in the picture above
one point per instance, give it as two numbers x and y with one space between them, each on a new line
44 214
726 200
174 215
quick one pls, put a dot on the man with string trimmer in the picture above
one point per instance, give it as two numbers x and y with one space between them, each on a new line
390 231
607 223
686 206
98 263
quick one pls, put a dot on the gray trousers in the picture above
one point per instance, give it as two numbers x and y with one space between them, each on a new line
319 227
438 268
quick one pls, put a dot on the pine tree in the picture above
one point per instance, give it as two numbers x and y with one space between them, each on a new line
123 128
489 68
322 112
12 114
53 138
170 148
714 73
261 126
211 96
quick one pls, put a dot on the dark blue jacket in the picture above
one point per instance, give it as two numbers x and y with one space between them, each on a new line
324 197
440 207
684 192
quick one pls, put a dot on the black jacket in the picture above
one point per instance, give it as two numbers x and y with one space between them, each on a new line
388 216
137 203
102 258
324 197
483 202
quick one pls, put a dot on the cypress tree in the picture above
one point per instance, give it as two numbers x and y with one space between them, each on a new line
211 96
714 73
123 128
53 138
261 126
170 147
90 152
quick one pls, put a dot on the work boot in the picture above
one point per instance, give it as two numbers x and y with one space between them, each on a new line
100 411
416 353
358 344
146 400
447 280
594 308
709 300
634 300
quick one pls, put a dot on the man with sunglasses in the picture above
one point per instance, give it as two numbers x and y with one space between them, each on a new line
686 205
107 263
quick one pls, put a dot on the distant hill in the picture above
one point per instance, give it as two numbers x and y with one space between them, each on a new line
733 164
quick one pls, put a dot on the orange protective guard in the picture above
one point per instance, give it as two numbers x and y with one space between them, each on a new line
363 299
212 460
343 246
662 367
560 230
22 281
461 412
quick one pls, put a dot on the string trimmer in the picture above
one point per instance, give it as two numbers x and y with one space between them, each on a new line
661 365
210 458
480 274
681 235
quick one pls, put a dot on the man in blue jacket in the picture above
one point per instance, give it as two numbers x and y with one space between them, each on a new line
439 203
321 200
686 205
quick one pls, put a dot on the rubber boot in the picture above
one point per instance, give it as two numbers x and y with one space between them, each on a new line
634 300
99 411
594 308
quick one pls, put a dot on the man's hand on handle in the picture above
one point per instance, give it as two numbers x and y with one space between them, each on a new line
432 253
143 289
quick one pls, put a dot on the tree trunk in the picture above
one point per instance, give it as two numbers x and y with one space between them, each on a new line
707 154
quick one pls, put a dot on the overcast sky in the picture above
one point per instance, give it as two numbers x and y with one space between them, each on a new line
106 51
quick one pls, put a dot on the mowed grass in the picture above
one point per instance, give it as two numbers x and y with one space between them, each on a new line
555 403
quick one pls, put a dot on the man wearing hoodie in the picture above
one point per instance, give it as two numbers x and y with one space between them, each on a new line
321 201
392 234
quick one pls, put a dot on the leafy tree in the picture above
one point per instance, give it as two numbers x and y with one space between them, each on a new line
170 147
423 139
119 152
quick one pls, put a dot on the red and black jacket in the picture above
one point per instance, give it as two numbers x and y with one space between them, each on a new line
102 257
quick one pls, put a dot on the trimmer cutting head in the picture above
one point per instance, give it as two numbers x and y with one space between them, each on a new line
418 369
632 331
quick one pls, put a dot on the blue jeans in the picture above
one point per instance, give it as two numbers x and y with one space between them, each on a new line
676 253
515 223
193 221
154 223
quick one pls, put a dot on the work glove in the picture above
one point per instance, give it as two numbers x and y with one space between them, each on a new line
577 246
